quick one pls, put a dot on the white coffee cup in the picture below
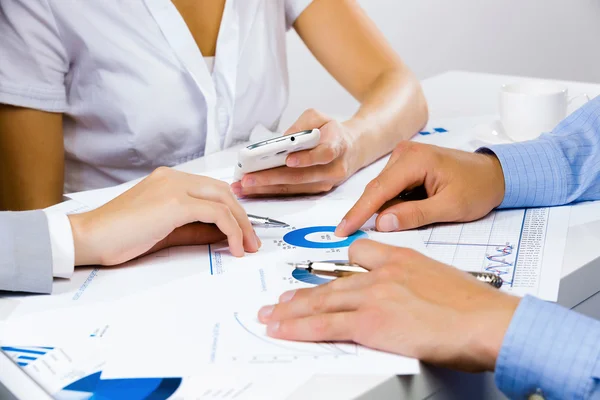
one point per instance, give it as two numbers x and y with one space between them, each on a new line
531 108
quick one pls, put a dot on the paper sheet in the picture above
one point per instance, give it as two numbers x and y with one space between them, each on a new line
157 311
216 330
75 371
206 323
226 333
525 247
191 307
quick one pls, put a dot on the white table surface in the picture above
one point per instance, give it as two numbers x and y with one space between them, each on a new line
455 94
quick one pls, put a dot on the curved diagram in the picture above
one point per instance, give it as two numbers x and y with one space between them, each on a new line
267 349
298 238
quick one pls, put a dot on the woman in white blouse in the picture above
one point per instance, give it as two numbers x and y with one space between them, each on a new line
95 93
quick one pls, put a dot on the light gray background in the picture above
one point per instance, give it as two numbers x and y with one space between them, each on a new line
540 38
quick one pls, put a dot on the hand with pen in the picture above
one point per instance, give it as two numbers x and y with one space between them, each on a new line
408 303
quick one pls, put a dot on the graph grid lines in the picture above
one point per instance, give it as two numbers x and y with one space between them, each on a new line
490 244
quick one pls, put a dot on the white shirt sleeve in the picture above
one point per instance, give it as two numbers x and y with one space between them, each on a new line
293 9
61 243
33 61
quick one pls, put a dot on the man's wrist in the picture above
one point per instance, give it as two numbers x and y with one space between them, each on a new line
496 175
489 330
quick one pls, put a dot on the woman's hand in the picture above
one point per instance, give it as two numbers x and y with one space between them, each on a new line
310 171
168 208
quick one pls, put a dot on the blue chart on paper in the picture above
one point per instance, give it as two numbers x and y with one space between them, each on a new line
303 275
434 130
26 354
93 387
299 238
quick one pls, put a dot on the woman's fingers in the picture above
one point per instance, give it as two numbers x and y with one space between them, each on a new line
219 214
217 191
282 190
192 234
292 176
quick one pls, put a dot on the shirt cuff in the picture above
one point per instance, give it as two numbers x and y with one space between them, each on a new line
61 242
534 173
549 349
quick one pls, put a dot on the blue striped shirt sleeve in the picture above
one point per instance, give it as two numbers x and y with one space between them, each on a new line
552 350
558 168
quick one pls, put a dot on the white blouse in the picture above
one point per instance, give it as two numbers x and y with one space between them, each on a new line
135 89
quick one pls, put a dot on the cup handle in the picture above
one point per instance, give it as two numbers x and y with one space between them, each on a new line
587 98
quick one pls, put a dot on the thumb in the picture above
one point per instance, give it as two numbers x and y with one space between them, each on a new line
310 119
413 214
370 254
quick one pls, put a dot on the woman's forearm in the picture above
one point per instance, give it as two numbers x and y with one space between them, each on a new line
393 109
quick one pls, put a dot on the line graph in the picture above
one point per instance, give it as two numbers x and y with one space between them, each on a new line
498 261
491 244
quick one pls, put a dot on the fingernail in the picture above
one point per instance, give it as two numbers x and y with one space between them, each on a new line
265 312
388 223
287 296
272 328
293 162
250 181
258 242
340 228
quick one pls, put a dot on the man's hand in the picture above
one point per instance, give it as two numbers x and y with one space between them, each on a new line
408 304
460 186
318 170
168 208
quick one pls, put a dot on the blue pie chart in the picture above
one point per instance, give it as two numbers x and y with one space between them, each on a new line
298 238
303 275
94 387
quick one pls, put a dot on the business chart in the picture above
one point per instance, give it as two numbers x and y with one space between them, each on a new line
237 341
513 244
76 371
61 372
25 355
310 237
94 386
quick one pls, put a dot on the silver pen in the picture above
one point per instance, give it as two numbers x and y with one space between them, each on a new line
266 222
345 269
336 269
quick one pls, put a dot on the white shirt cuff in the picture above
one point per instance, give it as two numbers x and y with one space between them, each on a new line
61 242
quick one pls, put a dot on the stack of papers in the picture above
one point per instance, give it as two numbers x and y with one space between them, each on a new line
183 321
